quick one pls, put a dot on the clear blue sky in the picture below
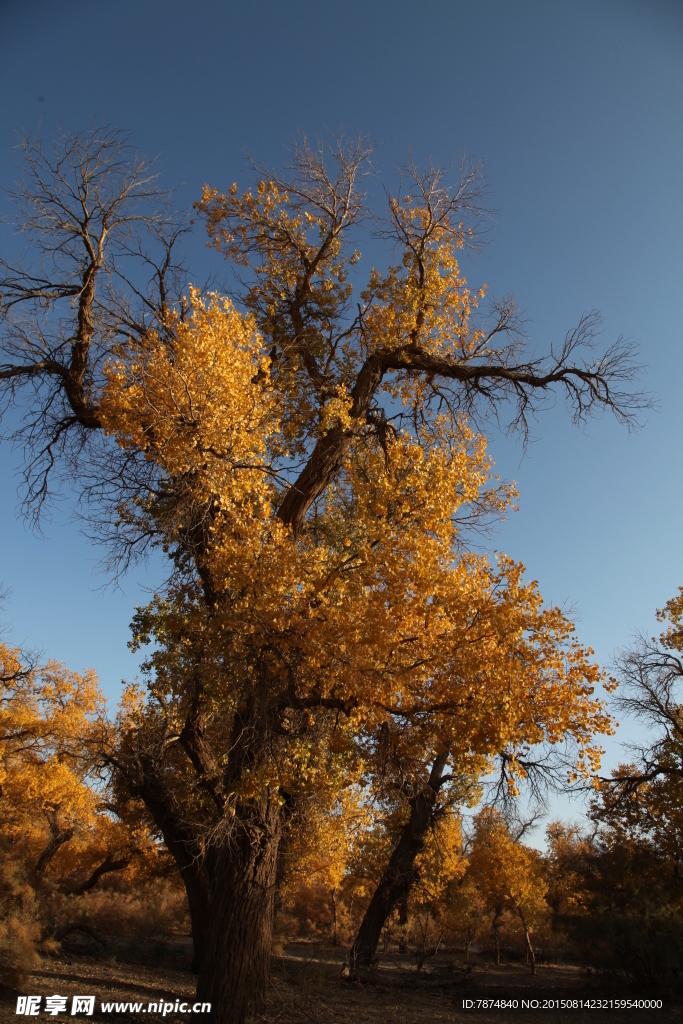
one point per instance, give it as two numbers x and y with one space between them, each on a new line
577 109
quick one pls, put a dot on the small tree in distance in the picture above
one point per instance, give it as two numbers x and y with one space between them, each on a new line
507 874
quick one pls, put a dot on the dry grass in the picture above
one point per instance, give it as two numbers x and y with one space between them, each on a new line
308 985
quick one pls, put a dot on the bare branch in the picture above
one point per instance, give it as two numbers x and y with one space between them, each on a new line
91 214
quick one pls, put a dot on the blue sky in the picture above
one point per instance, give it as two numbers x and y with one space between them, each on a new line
577 109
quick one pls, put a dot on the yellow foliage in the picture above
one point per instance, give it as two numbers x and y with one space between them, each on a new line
345 647
376 608
56 821
506 872
19 927
672 638
47 719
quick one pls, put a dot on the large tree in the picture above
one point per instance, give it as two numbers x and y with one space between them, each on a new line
311 469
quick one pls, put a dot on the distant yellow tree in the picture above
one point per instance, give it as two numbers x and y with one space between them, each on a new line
507 874
567 857
465 911
319 879
47 718
62 830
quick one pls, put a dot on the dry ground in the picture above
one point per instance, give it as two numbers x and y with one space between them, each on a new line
308 985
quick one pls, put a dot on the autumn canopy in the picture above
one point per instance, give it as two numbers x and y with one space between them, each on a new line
313 462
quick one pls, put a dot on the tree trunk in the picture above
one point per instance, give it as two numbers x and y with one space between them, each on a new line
334 915
108 865
58 837
423 952
237 943
144 780
199 902
497 940
399 875
530 956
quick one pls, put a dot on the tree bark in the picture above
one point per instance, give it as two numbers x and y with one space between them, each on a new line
497 940
423 952
531 957
199 902
58 836
400 873
231 884
334 915
108 865
237 942
144 780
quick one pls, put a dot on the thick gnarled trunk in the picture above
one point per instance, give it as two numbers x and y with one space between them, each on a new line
400 873
230 866
237 940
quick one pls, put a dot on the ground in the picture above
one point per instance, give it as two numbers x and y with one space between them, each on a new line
309 985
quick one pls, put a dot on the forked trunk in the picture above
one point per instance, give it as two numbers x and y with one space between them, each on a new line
238 936
530 956
231 876
396 882
146 782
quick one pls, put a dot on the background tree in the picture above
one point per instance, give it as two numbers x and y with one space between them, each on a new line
464 911
615 892
440 865
569 850
631 875
63 830
617 903
519 666
645 798
308 468
507 874
319 885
